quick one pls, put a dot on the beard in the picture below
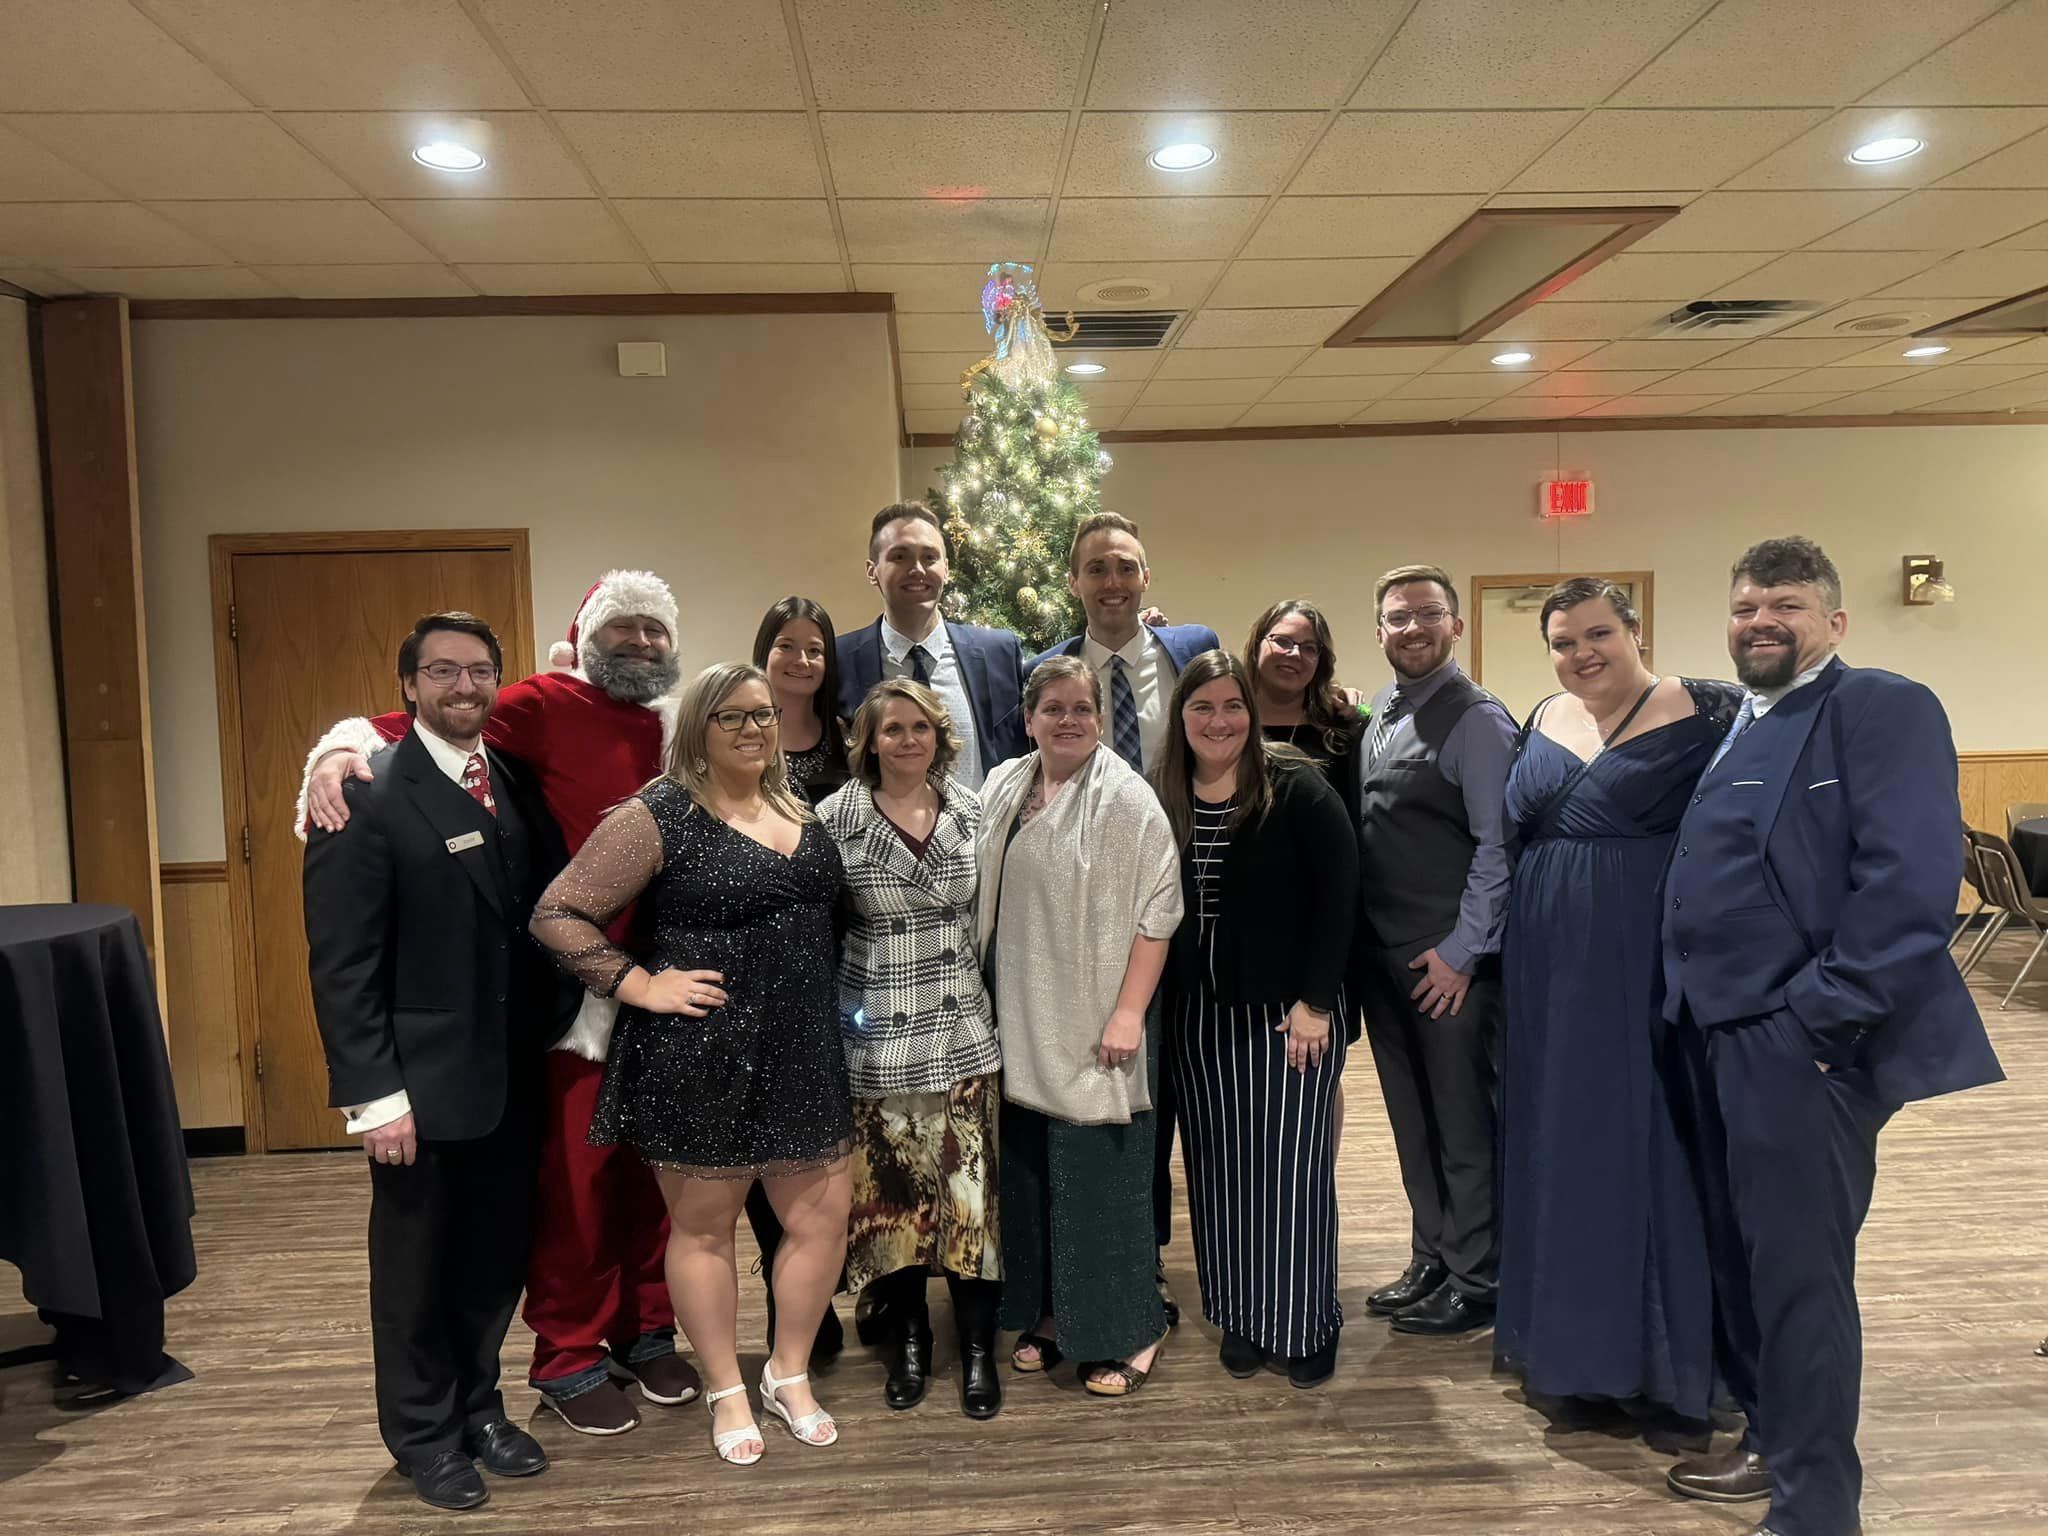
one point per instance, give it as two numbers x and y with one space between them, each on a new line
632 679
1772 671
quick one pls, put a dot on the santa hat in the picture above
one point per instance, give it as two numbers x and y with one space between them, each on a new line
614 595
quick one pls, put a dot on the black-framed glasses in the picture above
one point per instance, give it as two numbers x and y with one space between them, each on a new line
442 673
1424 618
736 719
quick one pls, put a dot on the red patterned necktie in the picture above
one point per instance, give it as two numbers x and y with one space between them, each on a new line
476 778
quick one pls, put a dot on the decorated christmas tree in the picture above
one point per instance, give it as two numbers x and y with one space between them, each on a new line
1025 471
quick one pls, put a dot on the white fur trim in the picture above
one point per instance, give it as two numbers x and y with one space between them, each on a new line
562 656
591 1035
623 593
669 707
354 735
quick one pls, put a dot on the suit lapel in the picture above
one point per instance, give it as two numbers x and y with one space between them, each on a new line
452 815
1798 712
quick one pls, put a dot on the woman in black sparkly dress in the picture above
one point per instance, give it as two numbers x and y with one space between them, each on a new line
798 650
726 1064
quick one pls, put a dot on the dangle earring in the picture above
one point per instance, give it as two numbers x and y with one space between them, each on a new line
699 766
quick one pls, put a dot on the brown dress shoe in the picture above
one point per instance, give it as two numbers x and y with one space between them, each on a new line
1735 1476
603 1410
667 1379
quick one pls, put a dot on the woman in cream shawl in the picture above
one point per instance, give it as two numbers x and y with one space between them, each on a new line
1080 891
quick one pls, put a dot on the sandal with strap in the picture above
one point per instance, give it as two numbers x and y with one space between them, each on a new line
1120 1378
726 1444
804 1426
1048 1357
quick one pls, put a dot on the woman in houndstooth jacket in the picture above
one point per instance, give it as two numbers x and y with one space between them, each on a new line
920 1040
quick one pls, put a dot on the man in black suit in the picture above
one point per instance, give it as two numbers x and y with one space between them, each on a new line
435 1009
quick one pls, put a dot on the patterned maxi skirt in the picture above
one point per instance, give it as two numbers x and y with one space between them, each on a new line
924 1183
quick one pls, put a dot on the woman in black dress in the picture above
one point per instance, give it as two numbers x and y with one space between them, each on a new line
725 1064
798 650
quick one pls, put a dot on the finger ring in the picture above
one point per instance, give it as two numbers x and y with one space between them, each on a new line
391 1153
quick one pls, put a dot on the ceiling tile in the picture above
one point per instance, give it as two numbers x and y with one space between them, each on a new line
923 289
2027 395
1759 221
185 154
753 276
1358 387
1764 52
324 55
1271 284
1875 403
63 235
1704 381
1433 152
1098 397
1523 53
174 282
276 233
2033 350
1254 152
31 174
926 229
1973 274
1826 275
732 229
940 422
941 333
1911 314
1961 376
1800 381
513 278
1954 135
938 367
968 55
1998 61
1575 382
1168 55
1262 327
1125 228
1665 355
1558 320
1650 405
646 55
48 284
1761 405
1865 378
1660 149
950 155
100 55
1357 226
522 230
697 154
370 282
1175 284
1300 413
1179 418
1940 220
374 150
1677 278
1960 349
1470 386
2024 164
1398 361
1545 356
1532 407
1229 362
1420 410
1203 391
1775 352
1666 197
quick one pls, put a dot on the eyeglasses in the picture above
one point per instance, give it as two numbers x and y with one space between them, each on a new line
1421 618
1061 712
442 673
736 719
1308 650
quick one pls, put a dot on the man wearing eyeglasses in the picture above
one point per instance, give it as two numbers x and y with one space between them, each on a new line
436 1009
1435 859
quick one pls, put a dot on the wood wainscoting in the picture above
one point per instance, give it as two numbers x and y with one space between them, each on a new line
199 996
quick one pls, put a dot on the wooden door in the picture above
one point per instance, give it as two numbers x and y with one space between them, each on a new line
315 639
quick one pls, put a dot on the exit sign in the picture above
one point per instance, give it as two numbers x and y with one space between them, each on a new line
1565 498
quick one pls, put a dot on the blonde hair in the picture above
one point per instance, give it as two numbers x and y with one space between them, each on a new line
687 764
867 720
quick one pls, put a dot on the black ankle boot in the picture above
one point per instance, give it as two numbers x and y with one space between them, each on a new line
910 1363
981 1386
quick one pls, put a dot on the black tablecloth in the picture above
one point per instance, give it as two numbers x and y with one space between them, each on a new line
95 1197
2030 842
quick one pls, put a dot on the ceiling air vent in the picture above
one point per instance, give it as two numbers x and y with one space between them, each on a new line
1116 330
1881 325
1123 292
1730 317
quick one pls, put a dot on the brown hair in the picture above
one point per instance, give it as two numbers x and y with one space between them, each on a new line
1402 575
1100 522
454 621
1793 562
1054 669
896 512
1173 780
1587 589
867 721
1322 703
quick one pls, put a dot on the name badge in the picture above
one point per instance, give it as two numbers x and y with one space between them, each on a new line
467 840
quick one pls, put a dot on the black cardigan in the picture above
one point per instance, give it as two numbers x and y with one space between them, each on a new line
1289 901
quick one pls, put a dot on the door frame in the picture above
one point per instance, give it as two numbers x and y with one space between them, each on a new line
222 548
1645 583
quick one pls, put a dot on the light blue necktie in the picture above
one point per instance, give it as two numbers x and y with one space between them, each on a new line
1123 715
1744 718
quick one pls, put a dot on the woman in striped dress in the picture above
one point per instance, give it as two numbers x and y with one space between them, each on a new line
1269 879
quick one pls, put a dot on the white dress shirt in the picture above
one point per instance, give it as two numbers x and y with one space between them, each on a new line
946 681
1763 699
1152 677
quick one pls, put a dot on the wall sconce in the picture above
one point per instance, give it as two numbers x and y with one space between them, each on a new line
1923 582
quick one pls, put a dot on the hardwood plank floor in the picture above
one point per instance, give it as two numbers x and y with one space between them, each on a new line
277 1433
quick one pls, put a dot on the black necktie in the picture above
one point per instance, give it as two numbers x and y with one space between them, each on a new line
920 664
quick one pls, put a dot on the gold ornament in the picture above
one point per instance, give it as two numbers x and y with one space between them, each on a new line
1028 596
1047 427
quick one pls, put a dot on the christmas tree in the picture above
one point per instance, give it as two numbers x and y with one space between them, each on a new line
1025 471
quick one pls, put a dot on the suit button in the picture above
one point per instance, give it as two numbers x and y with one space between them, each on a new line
949 1003
1685 954
947 957
501 997
1675 903
1683 852
899 1020
1696 799
897 925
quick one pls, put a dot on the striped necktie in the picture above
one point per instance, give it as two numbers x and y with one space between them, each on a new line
1384 727
920 661
1745 717
1123 715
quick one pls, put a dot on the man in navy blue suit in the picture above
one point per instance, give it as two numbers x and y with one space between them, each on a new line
1808 978
977 672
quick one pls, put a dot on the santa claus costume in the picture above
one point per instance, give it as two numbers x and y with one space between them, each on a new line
596 1293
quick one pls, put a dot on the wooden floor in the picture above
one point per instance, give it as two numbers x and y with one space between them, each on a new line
277 1433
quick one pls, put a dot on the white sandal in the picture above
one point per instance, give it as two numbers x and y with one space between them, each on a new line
803 1427
725 1444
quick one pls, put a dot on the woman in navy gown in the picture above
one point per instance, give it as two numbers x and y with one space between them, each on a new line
1604 1292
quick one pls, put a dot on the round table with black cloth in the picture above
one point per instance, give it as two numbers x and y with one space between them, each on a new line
2030 842
95 1197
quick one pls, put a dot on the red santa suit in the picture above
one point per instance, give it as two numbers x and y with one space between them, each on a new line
595 1285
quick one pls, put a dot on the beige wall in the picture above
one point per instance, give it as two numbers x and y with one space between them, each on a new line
35 836
747 473
1232 526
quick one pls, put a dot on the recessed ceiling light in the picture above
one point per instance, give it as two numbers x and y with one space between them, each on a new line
1181 157
447 155
1089 370
1885 151
1511 359
1927 351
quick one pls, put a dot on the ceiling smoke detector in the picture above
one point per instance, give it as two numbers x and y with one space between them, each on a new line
1122 292
1881 325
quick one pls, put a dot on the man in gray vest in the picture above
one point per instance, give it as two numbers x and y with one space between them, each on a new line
1436 862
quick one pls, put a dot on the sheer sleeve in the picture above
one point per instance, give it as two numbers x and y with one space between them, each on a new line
607 875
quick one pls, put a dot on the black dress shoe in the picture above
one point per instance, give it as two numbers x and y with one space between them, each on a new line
1313 1370
1240 1356
1417 1281
981 1388
1166 1295
505 1450
1735 1476
1447 1311
910 1366
448 1481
